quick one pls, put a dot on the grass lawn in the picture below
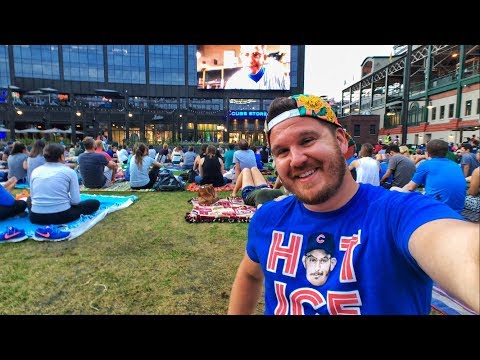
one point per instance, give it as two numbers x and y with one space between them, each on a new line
145 259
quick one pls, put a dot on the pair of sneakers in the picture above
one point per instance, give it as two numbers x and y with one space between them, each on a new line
50 233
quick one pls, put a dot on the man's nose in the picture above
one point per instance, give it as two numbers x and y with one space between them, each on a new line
297 157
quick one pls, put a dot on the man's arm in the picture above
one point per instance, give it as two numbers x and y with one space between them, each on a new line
386 175
448 251
246 289
466 169
410 186
407 188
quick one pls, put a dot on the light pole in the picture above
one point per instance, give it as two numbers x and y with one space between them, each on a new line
406 94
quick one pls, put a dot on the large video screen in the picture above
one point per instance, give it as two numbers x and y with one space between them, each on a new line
247 67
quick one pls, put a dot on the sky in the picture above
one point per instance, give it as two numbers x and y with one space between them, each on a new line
331 68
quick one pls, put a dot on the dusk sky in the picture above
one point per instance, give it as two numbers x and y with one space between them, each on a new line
331 68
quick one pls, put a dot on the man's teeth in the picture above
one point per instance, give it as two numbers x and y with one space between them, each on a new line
306 174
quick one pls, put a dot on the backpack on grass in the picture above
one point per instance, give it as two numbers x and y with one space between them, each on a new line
168 182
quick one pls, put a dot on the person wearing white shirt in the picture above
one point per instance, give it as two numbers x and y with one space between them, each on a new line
54 191
122 155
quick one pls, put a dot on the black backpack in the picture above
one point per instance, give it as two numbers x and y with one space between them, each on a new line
168 182
191 176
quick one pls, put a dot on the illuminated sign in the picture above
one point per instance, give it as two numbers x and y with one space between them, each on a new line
247 114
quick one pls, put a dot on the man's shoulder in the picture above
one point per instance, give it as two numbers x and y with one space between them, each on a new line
91 155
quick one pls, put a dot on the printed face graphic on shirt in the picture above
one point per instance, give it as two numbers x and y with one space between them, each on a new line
318 265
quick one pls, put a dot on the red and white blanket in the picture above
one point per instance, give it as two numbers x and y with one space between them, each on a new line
224 210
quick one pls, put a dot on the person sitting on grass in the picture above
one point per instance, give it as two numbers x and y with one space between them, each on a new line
254 187
97 172
10 207
211 169
140 176
54 191
35 158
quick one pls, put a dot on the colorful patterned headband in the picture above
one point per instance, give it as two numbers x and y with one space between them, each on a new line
312 106
307 105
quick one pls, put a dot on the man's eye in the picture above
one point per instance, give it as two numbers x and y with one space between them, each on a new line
281 152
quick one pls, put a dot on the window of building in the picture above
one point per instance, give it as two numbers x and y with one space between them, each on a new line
192 65
206 104
163 103
36 61
468 107
478 106
126 64
451 108
244 104
4 68
373 129
442 111
167 64
434 113
83 63
356 130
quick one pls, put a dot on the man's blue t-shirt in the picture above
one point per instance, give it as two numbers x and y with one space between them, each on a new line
443 180
374 271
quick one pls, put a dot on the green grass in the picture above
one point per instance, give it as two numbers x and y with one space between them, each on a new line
145 259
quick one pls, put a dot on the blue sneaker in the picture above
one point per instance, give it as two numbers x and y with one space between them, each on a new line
13 235
50 233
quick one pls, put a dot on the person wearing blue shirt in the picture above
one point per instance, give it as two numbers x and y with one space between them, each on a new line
386 255
9 206
442 178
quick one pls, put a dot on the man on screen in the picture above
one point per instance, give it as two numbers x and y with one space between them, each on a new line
256 73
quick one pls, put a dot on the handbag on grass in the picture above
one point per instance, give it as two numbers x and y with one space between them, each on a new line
207 195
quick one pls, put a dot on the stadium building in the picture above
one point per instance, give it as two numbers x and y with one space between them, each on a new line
437 85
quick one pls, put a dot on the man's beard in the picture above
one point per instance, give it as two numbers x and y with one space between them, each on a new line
335 169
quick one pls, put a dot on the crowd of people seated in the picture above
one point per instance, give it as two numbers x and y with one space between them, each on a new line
430 169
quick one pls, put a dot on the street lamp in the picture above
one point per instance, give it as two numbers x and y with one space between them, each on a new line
406 94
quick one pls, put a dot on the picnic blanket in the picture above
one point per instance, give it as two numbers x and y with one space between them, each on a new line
446 304
22 186
173 167
108 204
194 187
116 186
224 210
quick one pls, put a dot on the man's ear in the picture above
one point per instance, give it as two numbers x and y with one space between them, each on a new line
342 140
